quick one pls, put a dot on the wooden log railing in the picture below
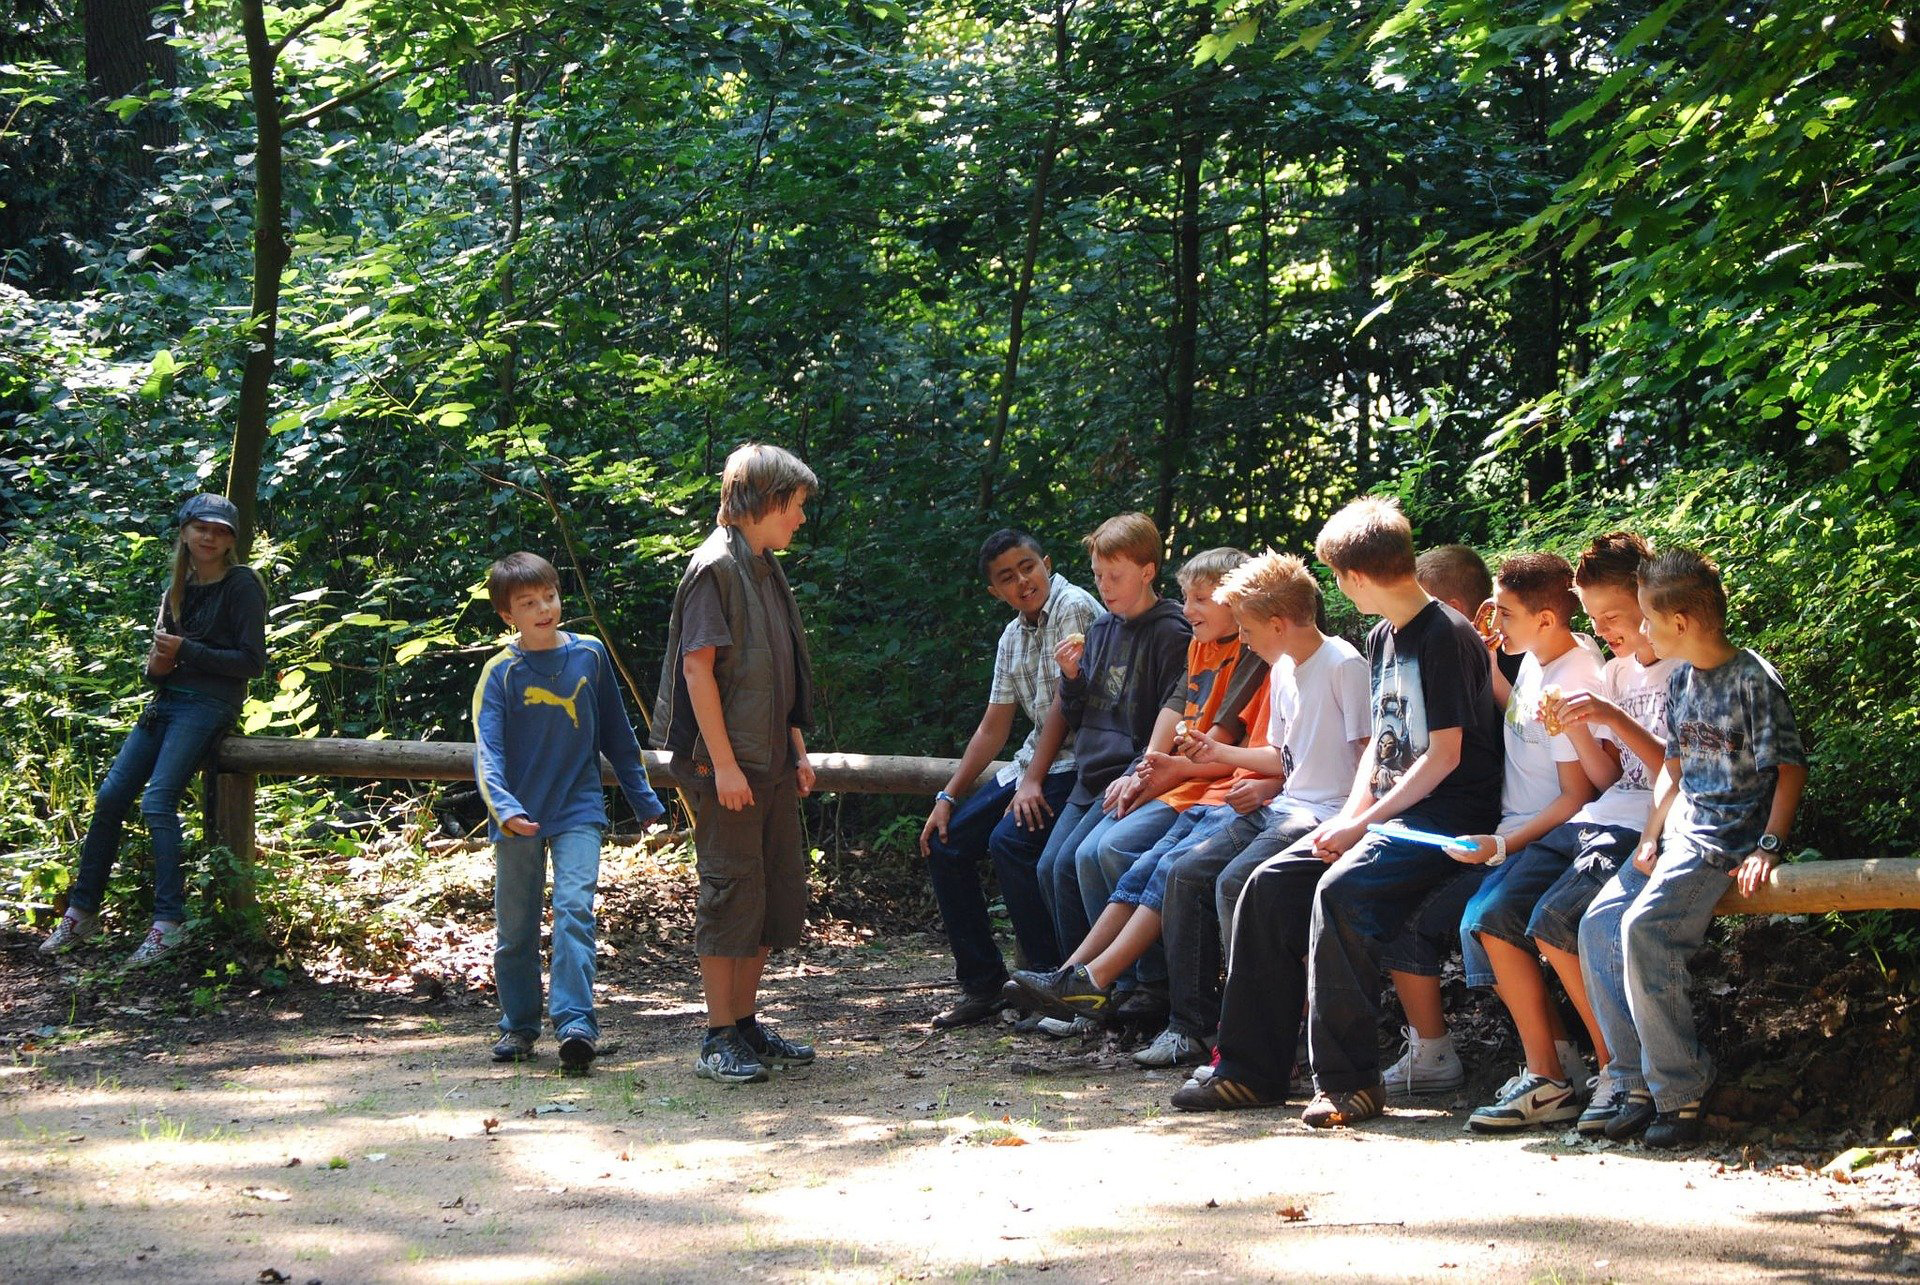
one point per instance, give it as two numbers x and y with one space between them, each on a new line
1807 888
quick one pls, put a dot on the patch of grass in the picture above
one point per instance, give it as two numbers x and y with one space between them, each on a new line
162 1128
339 1162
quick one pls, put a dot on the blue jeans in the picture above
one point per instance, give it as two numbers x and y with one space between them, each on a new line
1634 945
520 874
982 827
161 753
1105 855
1145 881
1057 873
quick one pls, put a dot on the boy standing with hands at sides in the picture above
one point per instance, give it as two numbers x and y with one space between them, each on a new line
1010 817
1733 756
1434 765
544 711
735 692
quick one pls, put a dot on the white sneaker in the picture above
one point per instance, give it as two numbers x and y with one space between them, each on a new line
1060 1029
1172 1048
74 927
1573 1067
1201 1074
162 940
1427 1066
1534 1099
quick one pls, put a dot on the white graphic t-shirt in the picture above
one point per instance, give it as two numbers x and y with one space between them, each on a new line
1640 690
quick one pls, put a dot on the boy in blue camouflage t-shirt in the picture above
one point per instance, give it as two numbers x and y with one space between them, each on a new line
1734 759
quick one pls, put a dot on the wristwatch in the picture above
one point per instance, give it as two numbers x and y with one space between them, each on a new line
1499 850
1770 844
941 796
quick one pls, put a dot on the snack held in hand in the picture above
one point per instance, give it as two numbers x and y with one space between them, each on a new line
1552 702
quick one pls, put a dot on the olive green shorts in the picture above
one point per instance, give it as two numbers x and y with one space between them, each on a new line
753 870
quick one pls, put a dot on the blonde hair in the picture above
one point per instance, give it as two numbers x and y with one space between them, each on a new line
1210 565
1132 536
181 576
1454 573
1273 586
1371 536
758 479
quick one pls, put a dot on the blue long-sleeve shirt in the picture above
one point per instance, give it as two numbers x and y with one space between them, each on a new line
541 720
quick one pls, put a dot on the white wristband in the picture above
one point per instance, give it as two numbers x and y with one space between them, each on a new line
1499 850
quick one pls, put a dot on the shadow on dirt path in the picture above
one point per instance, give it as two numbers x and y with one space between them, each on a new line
329 1134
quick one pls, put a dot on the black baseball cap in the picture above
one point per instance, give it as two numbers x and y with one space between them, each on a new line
211 508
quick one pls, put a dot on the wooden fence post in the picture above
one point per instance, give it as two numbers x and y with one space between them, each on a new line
230 823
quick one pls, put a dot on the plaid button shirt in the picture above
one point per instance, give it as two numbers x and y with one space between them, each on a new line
1024 671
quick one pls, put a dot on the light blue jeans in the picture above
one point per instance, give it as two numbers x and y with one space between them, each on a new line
520 875
1634 944
154 765
1114 845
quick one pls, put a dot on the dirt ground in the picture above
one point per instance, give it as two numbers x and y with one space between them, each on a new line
327 1133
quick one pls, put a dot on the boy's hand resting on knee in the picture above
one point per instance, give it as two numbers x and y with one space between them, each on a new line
1750 874
1029 807
731 788
1645 856
521 825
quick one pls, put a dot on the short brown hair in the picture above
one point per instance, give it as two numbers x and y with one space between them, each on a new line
1454 573
515 572
1132 536
1371 536
1542 582
759 479
1273 586
1685 582
1210 565
1612 559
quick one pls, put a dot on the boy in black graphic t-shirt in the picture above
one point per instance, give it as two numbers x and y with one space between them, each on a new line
1435 765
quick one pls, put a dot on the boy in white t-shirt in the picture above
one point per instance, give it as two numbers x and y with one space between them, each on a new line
1549 778
1320 721
1632 699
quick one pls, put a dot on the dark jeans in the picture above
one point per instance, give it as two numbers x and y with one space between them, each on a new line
161 753
1203 887
1363 905
982 827
1267 975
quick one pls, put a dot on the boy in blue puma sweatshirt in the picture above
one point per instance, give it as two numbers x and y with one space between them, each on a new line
544 711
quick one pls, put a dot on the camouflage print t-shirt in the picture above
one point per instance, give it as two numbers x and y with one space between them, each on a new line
1732 730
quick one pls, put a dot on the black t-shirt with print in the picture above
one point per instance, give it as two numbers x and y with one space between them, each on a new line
1430 675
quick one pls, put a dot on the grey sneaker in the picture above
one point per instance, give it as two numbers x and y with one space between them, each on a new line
774 1050
513 1046
725 1057
161 941
1172 1048
1084 1027
74 927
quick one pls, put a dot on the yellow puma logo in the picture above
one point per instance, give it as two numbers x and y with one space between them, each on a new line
541 696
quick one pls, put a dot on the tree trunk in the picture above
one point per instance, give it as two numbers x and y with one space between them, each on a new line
1177 433
1030 253
123 54
270 254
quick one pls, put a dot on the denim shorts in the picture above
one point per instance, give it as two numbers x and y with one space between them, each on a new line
1569 864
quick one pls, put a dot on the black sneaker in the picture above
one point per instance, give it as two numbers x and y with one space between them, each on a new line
1145 1007
577 1053
1632 1116
725 1057
1070 993
773 1049
1679 1128
1220 1093
1028 986
967 1011
514 1046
